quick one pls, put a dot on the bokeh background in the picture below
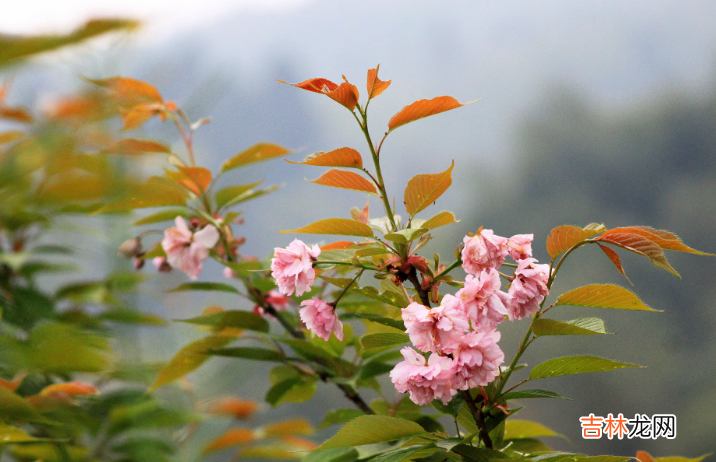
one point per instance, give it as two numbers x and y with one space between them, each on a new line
588 111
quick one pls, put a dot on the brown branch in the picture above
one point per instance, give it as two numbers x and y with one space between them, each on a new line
422 293
479 417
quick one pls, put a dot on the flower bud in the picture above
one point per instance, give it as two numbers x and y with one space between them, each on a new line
130 248
138 263
162 265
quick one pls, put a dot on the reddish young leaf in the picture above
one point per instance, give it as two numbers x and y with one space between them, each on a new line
238 408
639 244
603 296
361 215
343 157
346 180
614 257
643 456
375 86
564 237
198 175
69 389
232 437
16 114
130 92
664 239
256 153
441 219
422 190
130 146
137 115
9 137
346 94
316 85
338 245
423 108
336 226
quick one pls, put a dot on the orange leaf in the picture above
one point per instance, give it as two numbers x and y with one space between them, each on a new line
375 86
346 180
336 226
343 157
603 296
132 147
64 390
238 408
641 245
199 175
338 245
564 237
130 92
441 219
15 113
9 137
299 442
232 437
422 190
346 94
361 215
643 456
423 108
614 257
289 427
139 114
316 85
256 153
664 239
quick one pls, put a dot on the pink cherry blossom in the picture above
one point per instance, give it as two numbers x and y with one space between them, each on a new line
520 246
186 250
483 251
482 299
320 318
477 361
528 289
278 301
292 267
436 329
424 382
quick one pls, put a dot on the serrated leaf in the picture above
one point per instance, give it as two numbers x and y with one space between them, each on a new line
256 153
396 455
254 354
603 296
383 340
374 85
422 108
581 326
346 94
336 226
614 258
664 239
422 190
342 157
232 318
575 365
130 92
205 286
225 195
133 147
189 358
532 393
519 429
441 219
564 237
680 459
332 455
346 180
641 245
405 235
371 429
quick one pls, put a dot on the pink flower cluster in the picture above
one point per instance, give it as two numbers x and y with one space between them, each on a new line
186 249
460 333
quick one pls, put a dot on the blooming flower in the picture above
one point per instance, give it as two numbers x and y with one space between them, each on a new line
528 289
436 329
186 250
292 267
278 301
477 360
321 319
483 251
481 297
424 382
520 246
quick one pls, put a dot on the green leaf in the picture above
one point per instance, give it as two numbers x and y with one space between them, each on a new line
371 429
532 393
15 407
256 153
255 354
528 446
336 226
339 416
465 418
383 340
519 429
441 219
227 194
396 455
10 434
189 358
395 323
473 454
231 318
575 365
131 316
405 235
61 348
581 326
164 215
292 390
603 296
452 408
13 47
680 459
423 190
217 286
332 455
